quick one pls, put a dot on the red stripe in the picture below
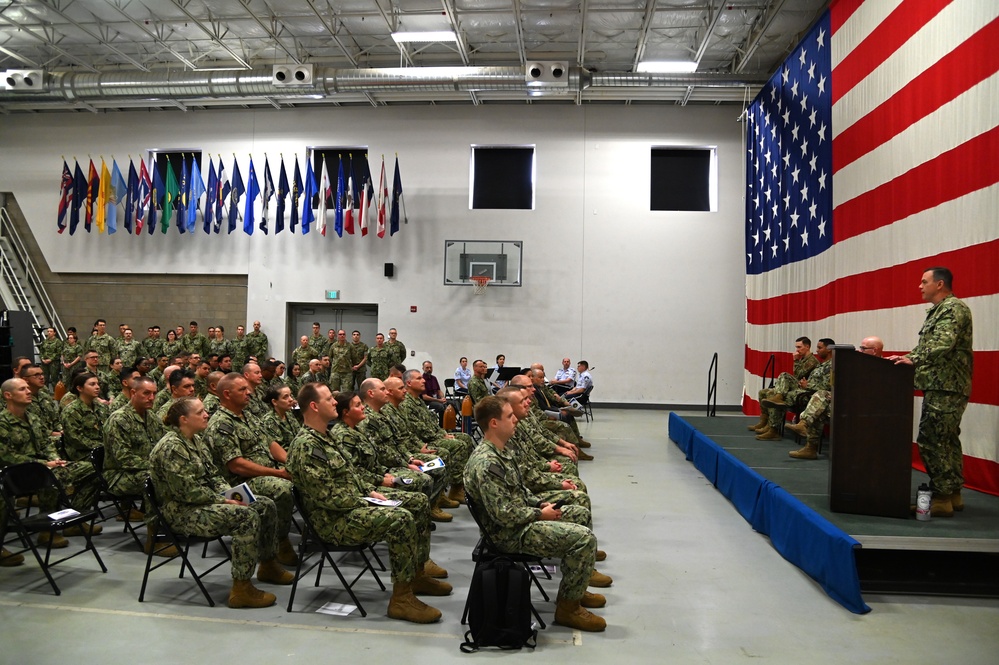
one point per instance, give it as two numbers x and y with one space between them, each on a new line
898 27
756 362
969 64
967 168
979 474
841 11
895 286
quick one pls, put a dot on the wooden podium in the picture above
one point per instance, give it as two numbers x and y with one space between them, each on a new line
870 471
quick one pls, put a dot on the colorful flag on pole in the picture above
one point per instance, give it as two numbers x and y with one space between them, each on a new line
79 197
185 189
265 195
367 196
252 192
156 198
222 195
196 189
348 206
93 185
236 191
398 205
874 146
296 194
212 198
338 210
65 196
382 200
324 195
117 191
308 217
143 202
132 196
103 192
170 196
282 195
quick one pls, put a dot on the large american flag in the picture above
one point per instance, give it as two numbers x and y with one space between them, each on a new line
872 154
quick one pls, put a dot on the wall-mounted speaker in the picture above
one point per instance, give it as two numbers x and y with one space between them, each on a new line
389 269
292 75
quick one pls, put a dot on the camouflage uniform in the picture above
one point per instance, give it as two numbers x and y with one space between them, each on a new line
511 514
332 491
786 382
341 374
200 387
478 389
189 489
83 428
256 346
239 347
257 408
816 414
157 375
28 441
50 353
162 397
378 361
128 438
120 400
358 351
195 344
152 347
282 431
293 383
172 349
820 378
211 403
393 447
302 355
368 460
69 352
545 442
425 426
396 351
219 347
229 436
110 383
129 352
319 344
943 362
47 410
105 346
535 473
407 440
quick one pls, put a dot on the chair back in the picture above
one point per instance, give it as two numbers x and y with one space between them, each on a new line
585 397
97 459
473 510
150 491
449 387
27 478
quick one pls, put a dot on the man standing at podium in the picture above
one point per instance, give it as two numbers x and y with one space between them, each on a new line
943 362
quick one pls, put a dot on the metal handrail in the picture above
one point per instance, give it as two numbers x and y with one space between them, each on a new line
9 231
771 367
713 386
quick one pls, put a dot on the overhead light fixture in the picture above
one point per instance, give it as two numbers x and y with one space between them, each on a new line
667 67
425 37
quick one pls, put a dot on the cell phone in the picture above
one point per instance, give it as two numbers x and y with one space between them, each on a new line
558 504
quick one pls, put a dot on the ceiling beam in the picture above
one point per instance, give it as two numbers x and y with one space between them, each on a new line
753 41
100 40
269 30
518 19
643 37
117 5
211 34
712 22
27 30
584 13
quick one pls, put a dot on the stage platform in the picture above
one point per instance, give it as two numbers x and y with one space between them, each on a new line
788 500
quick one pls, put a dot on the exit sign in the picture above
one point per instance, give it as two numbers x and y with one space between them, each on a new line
333 294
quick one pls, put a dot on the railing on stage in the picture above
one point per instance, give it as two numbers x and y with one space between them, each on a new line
713 386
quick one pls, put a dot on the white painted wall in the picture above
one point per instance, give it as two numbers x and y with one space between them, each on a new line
646 297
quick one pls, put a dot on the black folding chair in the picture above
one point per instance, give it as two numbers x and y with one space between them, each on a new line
486 550
183 544
584 401
312 544
35 479
123 504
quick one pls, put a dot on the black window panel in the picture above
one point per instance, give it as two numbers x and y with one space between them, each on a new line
176 159
332 156
503 178
680 179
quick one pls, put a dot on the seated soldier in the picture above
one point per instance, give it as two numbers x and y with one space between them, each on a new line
565 377
549 444
279 425
560 415
583 380
518 521
335 496
190 492
804 363
211 400
799 394
477 386
181 384
125 377
84 418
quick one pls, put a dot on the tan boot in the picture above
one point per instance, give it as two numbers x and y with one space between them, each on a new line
244 594
286 553
438 515
159 549
758 426
798 428
271 572
447 503
83 529
571 613
58 542
583 443
598 579
433 570
584 457
457 493
809 451
406 607
941 506
956 502
424 585
132 516
592 600
601 555
8 559
769 434
775 402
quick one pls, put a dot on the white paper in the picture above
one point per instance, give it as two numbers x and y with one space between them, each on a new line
336 609
433 464
382 502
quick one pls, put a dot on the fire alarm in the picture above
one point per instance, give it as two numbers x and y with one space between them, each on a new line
412 308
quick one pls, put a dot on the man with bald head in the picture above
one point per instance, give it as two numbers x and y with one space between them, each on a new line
254 377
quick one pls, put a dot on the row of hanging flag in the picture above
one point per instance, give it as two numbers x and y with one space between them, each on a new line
101 198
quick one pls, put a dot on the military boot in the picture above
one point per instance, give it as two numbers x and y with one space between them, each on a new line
956 502
8 559
286 553
571 613
244 594
592 600
584 457
942 506
406 607
457 493
271 572
58 542
769 434
425 585
601 555
83 529
159 549
446 503
438 515
774 402
799 428
433 570
598 579
758 427
583 443
809 451
133 515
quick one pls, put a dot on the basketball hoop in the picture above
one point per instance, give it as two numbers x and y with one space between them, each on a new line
481 282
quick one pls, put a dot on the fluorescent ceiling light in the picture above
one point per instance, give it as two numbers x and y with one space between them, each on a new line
442 36
667 67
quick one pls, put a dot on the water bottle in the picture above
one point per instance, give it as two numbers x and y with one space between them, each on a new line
923 499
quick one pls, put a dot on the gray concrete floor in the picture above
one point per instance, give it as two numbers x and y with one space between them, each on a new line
693 584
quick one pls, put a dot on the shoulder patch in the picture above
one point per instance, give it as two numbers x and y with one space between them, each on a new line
319 453
498 471
226 428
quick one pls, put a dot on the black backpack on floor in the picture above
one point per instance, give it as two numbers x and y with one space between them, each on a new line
499 607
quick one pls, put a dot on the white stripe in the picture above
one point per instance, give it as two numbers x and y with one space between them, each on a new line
964 118
865 18
898 327
941 35
916 236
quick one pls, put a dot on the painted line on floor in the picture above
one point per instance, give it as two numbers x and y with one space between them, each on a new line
575 641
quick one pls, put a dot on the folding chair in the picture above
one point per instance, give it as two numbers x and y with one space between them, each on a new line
183 544
486 550
584 401
33 479
312 544
123 504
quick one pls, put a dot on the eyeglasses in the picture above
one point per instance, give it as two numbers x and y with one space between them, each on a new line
34 376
